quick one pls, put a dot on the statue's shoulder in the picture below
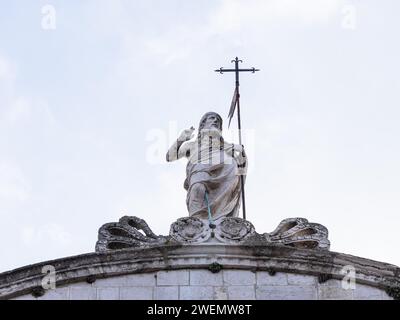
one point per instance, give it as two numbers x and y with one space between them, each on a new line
187 148
189 145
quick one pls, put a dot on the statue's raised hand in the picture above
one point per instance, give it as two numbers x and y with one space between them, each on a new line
187 134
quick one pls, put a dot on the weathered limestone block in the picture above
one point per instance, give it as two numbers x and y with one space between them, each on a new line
108 294
239 277
334 293
136 293
220 293
56 294
205 277
177 277
166 293
82 293
198 293
362 292
278 279
241 293
286 292
299 279
127 281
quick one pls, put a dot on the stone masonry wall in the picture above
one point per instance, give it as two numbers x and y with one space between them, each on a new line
202 284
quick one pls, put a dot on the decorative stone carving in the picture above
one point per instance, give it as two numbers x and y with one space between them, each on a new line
126 234
215 267
299 233
293 232
234 230
38 292
190 230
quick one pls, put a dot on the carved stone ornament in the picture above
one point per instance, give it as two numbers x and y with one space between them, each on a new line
234 230
293 232
126 234
299 233
190 230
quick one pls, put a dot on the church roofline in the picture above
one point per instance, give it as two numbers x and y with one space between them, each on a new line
271 257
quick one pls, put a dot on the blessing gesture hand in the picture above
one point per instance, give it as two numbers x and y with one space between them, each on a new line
187 134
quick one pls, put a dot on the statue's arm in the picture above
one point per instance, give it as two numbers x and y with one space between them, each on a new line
180 149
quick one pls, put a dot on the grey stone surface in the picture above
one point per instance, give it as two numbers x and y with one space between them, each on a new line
80 285
286 293
132 272
56 294
220 293
132 280
239 277
108 293
177 277
196 293
82 293
334 293
331 283
241 293
136 293
299 279
362 292
205 277
278 279
166 293
267 287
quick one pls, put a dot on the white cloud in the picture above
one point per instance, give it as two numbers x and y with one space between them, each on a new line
234 14
7 79
13 184
7 70
184 40
12 106
48 234
20 108
15 107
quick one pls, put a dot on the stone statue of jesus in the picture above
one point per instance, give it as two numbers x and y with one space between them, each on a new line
214 167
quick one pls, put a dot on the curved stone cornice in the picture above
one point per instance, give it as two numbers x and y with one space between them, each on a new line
271 257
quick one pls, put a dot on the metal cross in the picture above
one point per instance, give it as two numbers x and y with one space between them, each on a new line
236 101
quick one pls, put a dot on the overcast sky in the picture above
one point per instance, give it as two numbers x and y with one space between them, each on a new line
91 100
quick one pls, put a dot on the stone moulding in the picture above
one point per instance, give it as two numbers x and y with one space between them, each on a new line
133 232
265 257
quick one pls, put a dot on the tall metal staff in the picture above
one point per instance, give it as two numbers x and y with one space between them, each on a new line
236 102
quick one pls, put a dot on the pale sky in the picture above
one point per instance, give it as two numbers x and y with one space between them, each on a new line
90 101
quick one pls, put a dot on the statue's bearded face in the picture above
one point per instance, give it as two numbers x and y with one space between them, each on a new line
212 122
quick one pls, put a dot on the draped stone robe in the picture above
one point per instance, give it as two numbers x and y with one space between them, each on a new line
213 163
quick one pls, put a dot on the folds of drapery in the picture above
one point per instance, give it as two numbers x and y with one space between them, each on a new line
218 169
